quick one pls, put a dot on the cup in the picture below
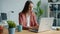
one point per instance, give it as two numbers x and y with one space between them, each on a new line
19 28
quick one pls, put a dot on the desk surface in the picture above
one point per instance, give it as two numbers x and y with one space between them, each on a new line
28 32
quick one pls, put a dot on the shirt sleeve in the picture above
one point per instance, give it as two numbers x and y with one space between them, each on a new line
35 20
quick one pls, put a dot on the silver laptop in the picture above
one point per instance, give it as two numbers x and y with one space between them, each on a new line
45 24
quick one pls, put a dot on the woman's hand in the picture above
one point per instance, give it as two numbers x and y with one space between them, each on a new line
34 27
30 27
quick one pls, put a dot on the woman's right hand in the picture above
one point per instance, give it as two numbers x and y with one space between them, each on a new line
30 27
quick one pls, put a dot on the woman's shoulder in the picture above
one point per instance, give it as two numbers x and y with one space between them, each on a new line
20 13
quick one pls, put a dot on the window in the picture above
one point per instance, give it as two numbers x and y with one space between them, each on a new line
54 11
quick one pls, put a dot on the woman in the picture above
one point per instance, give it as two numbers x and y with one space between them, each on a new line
27 17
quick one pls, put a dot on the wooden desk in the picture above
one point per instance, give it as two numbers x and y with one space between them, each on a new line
28 32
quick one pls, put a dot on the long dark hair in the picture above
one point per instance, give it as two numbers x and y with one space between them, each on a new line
26 7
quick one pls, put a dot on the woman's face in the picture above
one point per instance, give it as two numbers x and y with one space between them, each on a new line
30 7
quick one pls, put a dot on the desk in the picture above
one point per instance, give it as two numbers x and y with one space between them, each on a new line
28 32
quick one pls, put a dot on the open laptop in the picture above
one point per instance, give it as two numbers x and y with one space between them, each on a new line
45 25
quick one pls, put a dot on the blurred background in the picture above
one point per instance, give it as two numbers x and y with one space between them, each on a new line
9 9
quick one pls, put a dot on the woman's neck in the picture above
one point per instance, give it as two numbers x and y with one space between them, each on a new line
27 14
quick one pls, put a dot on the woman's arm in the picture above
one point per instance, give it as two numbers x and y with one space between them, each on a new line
20 19
21 22
35 22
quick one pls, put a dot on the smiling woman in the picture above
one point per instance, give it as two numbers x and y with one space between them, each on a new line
27 17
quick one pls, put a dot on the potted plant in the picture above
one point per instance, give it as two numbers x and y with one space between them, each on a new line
12 27
38 10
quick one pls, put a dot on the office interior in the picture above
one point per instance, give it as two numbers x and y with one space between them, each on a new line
9 10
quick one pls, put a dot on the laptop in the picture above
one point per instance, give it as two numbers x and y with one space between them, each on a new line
44 25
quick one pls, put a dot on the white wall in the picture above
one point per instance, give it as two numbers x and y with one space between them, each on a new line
44 6
13 5
0 4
